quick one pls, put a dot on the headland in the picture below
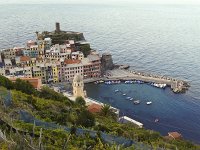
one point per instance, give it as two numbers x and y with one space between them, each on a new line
58 55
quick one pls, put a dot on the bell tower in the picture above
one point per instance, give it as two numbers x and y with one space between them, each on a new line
78 86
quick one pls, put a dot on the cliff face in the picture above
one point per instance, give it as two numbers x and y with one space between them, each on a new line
106 62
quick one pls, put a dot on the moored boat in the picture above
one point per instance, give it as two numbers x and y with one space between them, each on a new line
116 90
101 81
149 103
136 102
131 99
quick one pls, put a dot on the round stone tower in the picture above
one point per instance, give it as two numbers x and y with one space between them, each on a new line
57 27
106 62
78 86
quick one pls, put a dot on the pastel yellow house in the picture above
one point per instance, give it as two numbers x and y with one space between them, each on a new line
55 73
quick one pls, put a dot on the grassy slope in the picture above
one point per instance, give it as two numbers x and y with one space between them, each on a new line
66 113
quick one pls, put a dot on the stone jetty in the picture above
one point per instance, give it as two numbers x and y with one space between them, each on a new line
177 86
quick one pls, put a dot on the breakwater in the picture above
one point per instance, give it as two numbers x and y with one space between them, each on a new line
177 86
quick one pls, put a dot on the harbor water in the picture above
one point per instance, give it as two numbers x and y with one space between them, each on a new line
161 39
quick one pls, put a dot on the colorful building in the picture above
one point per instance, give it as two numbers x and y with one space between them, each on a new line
91 66
69 68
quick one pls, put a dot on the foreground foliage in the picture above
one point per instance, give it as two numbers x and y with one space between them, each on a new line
50 106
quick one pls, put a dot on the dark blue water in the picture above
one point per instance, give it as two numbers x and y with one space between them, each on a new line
154 38
175 112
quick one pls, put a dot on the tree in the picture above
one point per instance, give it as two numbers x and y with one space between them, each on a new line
85 49
48 93
107 111
5 82
24 86
80 101
86 119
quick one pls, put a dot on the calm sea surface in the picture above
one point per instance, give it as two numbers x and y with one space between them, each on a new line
163 39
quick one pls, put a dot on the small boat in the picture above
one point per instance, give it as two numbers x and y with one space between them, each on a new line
128 97
156 120
101 81
139 81
149 103
108 82
116 91
136 102
124 94
131 99
159 85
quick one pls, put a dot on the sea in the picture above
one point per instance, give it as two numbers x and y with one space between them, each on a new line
159 39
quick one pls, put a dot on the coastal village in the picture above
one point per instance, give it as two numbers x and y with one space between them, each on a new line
50 63
66 57
58 56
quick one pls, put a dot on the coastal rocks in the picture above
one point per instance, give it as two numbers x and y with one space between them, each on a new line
106 62
180 87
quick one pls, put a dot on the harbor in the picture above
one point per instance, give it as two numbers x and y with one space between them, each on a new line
177 86
164 114
131 76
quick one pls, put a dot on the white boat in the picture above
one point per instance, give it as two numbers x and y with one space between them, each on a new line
101 81
131 99
124 94
116 90
128 97
159 85
149 103
136 102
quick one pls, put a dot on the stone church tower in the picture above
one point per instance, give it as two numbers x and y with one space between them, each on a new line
78 86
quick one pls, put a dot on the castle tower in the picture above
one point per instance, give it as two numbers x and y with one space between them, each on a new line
78 86
57 27
106 62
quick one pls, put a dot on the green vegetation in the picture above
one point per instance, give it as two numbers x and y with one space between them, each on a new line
85 49
49 106
5 82
61 37
80 101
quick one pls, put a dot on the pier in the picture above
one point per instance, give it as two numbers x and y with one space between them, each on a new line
177 86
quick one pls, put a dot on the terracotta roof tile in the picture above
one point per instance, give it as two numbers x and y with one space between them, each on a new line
72 61
25 58
94 108
175 135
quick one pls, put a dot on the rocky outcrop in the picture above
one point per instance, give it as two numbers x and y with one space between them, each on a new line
59 36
